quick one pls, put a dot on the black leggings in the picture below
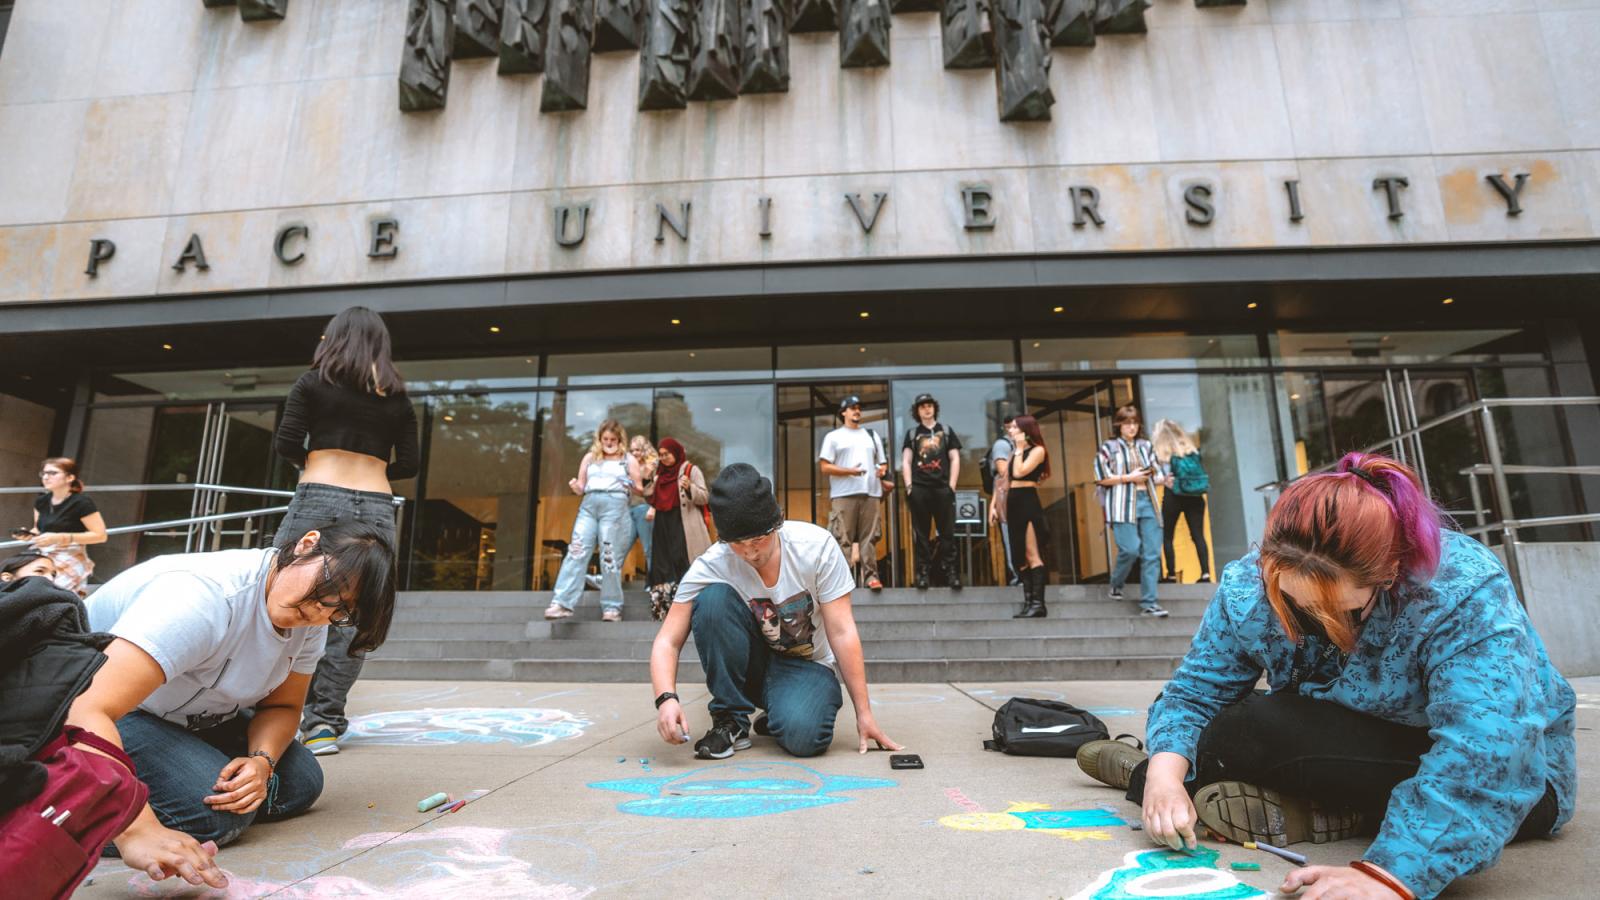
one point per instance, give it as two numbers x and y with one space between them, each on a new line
1321 751
1022 510
1193 510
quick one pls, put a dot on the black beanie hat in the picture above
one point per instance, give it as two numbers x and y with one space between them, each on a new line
742 504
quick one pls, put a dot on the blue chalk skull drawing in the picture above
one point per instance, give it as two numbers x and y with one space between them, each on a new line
736 791
467 725
1170 875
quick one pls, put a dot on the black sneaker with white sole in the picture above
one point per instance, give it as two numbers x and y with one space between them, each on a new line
1154 611
1115 593
725 737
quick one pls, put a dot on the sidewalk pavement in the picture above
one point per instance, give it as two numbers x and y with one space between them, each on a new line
580 798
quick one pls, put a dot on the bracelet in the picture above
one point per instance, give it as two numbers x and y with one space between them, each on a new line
665 696
1371 870
272 764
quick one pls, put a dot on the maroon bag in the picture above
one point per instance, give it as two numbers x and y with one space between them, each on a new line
50 844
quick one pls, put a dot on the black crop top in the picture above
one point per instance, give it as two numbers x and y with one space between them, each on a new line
337 418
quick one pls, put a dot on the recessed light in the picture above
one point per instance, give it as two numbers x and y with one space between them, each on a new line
1036 343
1449 300
166 346
865 314
494 329
691 354
449 418
861 349
529 361
677 321
1251 305
1059 309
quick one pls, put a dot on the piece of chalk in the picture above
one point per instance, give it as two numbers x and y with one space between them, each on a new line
1290 855
438 799
1246 867
61 818
453 807
1136 826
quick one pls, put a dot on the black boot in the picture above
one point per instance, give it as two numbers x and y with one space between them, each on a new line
922 578
1033 582
1024 578
953 577
1041 583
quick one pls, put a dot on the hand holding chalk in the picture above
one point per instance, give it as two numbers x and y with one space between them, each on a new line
1290 855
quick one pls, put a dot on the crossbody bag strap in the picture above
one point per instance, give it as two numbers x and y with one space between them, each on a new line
76 735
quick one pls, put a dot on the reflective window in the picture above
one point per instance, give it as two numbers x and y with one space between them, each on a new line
423 375
718 426
1075 417
849 359
469 529
1141 351
201 384
661 366
1334 348
806 413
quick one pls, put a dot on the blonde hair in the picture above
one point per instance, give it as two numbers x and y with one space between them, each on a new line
614 427
640 440
1171 440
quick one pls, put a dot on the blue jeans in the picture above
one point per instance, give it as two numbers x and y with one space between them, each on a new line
801 697
643 531
181 768
601 523
1139 540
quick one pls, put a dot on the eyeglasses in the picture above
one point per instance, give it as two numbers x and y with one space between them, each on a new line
343 617
49 473
751 542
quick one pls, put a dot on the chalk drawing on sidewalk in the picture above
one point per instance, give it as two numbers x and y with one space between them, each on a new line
736 791
1168 875
1066 824
519 726
442 862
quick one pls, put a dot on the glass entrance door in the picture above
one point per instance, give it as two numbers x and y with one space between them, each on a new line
806 413
1075 416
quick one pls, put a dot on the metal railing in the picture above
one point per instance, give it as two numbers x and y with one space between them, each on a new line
1406 446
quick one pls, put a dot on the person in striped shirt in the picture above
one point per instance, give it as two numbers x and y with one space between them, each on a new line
1127 472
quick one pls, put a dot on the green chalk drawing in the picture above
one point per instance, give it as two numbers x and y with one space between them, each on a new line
1143 871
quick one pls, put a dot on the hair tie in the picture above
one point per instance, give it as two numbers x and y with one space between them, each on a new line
1369 478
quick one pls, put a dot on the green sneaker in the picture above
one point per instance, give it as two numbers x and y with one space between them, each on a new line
1110 762
1244 812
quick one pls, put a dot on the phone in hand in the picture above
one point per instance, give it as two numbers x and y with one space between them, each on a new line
23 533
905 761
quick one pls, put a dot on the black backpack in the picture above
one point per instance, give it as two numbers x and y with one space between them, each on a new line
1025 726
986 470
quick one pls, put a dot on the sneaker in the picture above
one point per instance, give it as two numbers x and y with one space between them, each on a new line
592 581
1152 610
954 581
1110 762
722 740
322 742
759 726
1116 593
922 581
1205 578
873 584
611 615
1244 812
557 611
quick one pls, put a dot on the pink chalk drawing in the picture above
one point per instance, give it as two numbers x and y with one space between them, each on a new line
961 800
460 860
518 726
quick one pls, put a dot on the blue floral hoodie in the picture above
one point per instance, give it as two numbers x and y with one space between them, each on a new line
1457 655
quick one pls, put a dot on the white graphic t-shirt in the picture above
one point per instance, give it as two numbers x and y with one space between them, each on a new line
789 613
853 448
203 618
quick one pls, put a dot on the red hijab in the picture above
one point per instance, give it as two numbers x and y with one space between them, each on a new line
665 496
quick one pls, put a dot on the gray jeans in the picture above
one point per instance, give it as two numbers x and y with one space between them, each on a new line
313 506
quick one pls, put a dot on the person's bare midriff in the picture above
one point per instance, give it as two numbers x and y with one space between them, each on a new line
346 469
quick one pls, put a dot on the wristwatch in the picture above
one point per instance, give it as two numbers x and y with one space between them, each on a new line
272 764
668 695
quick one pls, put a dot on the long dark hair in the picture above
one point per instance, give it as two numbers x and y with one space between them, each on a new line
1029 426
355 354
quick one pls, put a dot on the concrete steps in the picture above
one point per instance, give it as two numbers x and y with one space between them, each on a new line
907 635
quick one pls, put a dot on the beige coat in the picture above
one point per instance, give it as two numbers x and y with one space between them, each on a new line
692 498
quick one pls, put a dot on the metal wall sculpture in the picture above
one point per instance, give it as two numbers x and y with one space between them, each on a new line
764 52
618 24
664 56
1071 22
968 34
863 33
714 51
1121 17
477 28
425 65
814 15
566 58
719 49
1023 45
522 36
263 10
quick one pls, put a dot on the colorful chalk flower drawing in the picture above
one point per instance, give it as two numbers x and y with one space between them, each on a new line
1067 824
736 791
522 727
1168 875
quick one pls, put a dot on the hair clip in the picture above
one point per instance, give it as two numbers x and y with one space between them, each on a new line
1369 478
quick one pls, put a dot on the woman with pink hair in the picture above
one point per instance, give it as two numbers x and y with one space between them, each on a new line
1409 697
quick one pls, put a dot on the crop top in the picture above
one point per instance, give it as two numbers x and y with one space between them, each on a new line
337 418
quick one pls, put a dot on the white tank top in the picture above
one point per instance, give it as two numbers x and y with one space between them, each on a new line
608 475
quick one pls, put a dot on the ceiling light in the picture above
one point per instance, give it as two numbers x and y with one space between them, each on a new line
1059 309
449 418
1294 396
1036 343
691 354
529 361
166 346
494 329
1251 305
861 349
865 314
677 321
1449 300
